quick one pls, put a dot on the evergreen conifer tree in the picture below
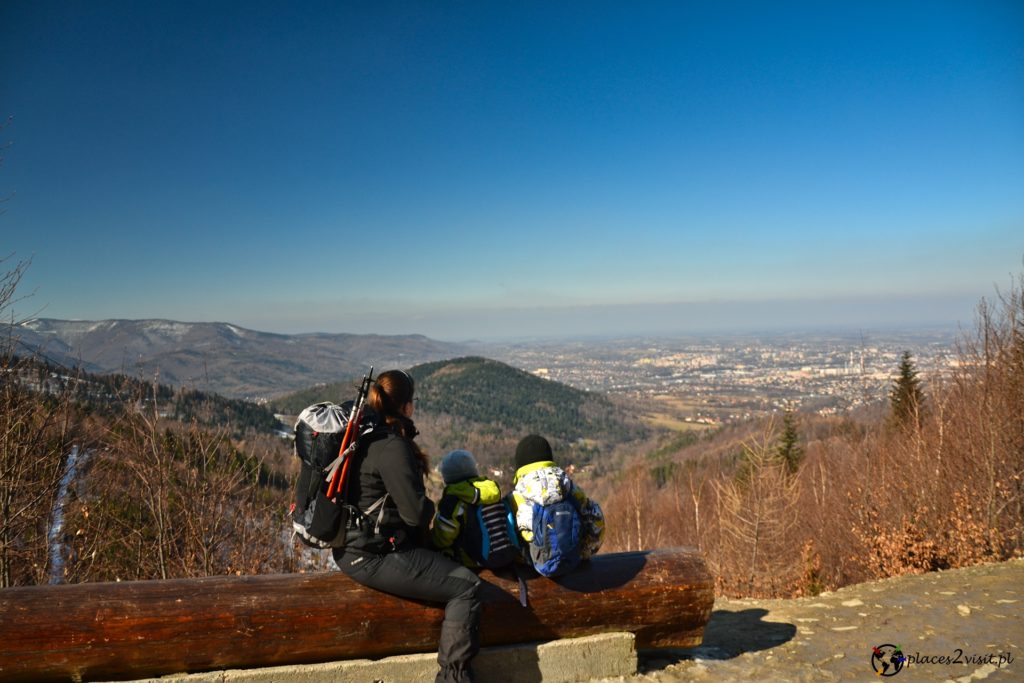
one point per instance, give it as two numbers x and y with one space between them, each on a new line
789 449
906 397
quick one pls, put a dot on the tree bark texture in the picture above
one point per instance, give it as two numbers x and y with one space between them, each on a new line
139 629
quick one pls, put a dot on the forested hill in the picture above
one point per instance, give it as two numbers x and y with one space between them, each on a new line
498 396
474 400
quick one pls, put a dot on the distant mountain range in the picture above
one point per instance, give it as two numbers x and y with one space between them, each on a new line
221 357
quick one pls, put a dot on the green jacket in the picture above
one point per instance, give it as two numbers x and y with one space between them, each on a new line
456 501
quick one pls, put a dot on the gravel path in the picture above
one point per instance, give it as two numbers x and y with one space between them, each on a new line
958 625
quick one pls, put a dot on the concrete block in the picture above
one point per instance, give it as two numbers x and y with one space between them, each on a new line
570 660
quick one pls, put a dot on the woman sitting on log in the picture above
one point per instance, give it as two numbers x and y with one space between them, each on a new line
397 559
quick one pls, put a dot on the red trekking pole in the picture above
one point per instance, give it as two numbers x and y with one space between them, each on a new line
351 434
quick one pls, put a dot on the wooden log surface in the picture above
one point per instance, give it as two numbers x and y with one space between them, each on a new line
138 629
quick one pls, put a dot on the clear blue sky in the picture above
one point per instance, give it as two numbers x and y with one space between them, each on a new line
484 169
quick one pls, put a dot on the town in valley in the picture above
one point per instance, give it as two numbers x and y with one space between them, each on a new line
700 382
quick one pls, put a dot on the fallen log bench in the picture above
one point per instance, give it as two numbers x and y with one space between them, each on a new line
138 629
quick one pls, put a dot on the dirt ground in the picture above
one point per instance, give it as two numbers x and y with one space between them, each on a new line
959 625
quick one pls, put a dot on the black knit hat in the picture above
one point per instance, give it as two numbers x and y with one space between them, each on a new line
533 448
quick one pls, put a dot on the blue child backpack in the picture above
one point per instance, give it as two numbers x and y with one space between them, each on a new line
557 532
490 538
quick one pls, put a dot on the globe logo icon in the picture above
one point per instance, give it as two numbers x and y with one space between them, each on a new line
887 659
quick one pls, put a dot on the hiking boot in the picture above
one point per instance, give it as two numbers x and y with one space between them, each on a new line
453 673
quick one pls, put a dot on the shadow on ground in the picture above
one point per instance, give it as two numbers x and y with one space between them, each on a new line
727 635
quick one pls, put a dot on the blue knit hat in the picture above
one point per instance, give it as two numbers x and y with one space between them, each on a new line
457 466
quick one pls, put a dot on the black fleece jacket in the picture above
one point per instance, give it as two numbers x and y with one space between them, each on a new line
388 464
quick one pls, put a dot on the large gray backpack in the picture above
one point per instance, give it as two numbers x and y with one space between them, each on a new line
321 517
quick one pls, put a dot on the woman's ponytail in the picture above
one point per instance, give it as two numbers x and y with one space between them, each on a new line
389 394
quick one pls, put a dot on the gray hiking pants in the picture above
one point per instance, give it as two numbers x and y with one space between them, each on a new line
423 574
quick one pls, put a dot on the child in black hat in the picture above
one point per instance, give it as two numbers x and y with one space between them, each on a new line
539 483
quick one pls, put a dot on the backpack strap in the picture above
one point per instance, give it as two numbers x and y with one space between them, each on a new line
336 463
523 593
369 430
379 503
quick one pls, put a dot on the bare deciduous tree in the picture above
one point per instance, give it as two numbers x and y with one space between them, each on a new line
34 437
170 501
757 512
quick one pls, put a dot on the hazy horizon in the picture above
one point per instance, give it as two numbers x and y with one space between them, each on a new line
763 325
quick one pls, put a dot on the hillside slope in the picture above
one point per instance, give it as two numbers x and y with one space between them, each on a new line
112 393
